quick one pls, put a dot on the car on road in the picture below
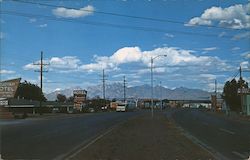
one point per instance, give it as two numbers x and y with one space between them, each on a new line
121 107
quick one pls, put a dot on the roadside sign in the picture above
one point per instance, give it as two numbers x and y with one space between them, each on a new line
8 88
3 102
80 92
79 98
244 91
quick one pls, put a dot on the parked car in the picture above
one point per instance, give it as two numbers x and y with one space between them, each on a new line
91 110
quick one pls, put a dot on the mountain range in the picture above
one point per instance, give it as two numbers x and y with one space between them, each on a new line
115 90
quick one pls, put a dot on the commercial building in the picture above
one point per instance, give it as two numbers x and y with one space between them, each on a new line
246 104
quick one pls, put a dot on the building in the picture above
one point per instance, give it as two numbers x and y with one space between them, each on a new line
245 92
7 90
246 104
190 103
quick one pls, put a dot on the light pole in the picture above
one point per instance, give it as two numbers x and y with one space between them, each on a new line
152 85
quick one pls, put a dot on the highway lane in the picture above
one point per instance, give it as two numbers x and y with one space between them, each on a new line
49 138
229 137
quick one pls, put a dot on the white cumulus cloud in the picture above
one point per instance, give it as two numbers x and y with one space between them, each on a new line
241 36
169 35
32 20
43 25
236 17
3 71
235 48
175 57
57 63
245 65
247 56
209 49
73 13
2 35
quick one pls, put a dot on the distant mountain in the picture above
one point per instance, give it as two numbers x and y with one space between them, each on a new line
115 90
67 92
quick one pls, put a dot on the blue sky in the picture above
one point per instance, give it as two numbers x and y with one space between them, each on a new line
77 52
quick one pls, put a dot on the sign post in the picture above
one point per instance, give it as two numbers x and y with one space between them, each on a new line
79 99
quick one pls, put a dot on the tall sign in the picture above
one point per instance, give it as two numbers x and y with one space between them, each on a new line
8 88
79 99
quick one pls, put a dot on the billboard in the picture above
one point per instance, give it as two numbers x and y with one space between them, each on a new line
8 88
79 99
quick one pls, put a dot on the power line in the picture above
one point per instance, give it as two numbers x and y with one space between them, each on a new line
96 23
123 15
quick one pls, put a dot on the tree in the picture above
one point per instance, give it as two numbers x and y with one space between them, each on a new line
70 99
29 91
230 93
61 98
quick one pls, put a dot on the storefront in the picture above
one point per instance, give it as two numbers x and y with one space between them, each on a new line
246 104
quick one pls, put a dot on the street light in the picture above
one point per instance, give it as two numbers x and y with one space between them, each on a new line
152 85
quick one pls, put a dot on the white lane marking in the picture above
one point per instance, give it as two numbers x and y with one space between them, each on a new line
239 154
90 143
76 150
227 131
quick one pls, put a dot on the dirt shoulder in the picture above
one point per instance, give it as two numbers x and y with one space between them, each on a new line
144 138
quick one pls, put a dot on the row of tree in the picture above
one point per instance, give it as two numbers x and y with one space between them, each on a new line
27 90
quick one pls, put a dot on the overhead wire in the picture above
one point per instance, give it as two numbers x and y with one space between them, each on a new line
122 15
109 24
113 25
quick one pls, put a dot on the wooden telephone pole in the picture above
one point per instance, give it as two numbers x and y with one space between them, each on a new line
41 64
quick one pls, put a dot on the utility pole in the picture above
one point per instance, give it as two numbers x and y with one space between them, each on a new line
124 89
152 89
215 92
161 95
241 94
103 86
41 64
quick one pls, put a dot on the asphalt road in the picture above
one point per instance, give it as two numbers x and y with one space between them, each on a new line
228 137
54 137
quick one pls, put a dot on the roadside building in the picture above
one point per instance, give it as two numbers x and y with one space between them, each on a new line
146 103
7 90
246 103
21 106
113 105
190 103
245 92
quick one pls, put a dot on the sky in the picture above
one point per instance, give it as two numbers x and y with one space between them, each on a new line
204 40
